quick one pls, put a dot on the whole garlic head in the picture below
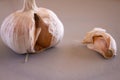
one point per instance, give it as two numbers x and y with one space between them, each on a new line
99 40
31 29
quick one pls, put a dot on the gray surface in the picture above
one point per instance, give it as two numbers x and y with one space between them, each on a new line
69 60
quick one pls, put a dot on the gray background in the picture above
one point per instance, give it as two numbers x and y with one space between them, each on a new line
69 60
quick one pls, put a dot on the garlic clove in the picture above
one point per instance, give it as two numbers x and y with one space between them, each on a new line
44 39
31 29
102 42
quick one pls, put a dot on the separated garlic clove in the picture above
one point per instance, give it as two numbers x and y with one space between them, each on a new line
99 40
31 29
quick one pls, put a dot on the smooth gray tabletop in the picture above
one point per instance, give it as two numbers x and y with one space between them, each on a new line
69 60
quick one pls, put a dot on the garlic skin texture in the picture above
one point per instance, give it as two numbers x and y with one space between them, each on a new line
31 29
99 40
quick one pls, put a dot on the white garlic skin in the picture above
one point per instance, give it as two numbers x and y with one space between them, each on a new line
110 41
20 33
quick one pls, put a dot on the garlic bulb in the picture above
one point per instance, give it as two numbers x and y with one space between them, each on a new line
31 29
99 40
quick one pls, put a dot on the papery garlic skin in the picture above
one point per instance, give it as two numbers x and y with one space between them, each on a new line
31 29
99 40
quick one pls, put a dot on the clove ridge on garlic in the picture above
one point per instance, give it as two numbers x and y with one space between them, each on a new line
31 29
102 42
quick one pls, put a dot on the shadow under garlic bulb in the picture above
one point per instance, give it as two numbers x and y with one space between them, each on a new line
99 40
31 29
